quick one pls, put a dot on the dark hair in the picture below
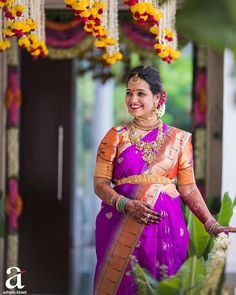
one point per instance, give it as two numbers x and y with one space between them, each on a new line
150 75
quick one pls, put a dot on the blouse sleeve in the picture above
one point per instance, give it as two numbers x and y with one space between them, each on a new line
185 164
106 154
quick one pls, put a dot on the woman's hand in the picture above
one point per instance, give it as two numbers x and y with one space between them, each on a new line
142 212
223 229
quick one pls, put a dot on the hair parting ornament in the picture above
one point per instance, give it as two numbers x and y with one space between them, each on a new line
134 79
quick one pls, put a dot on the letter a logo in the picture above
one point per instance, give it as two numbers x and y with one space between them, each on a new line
15 279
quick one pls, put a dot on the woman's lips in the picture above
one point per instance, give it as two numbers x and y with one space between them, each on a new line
135 107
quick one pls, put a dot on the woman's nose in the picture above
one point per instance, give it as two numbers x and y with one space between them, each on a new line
133 98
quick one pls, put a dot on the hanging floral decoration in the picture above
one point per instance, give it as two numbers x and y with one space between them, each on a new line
162 24
13 103
24 19
100 19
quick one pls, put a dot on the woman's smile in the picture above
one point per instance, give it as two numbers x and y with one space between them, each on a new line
135 106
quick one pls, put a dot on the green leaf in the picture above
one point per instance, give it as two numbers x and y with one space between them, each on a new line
188 280
192 275
226 210
198 236
166 287
234 202
145 281
215 29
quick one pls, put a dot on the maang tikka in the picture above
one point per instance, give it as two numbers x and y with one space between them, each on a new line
134 79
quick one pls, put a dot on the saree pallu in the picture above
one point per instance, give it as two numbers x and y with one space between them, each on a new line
160 248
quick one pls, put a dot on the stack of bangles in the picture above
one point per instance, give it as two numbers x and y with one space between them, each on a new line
210 225
119 202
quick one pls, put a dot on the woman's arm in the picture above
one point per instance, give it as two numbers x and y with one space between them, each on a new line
104 191
192 196
140 211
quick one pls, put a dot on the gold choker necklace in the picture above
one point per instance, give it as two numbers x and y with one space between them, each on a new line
136 123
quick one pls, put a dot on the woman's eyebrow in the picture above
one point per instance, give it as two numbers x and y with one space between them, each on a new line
136 89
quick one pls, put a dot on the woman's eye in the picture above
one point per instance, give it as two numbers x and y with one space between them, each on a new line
141 93
128 93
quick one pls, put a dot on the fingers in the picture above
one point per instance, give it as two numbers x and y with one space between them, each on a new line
152 217
149 209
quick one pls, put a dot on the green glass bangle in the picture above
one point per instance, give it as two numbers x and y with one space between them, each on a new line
121 204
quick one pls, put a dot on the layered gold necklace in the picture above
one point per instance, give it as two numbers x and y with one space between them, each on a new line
149 149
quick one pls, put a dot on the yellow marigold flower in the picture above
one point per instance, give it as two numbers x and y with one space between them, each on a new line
89 30
110 41
99 43
93 11
159 46
105 32
99 5
175 54
24 42
17 25
11 10
163 54
110 60
7 33
27 28
33 38
35 52
19 8
79 6
4 44
158 14
154 30
69 2
1 6
139 7
85 13
34 25
118 55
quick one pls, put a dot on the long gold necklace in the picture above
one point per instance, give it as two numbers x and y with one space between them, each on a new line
149 149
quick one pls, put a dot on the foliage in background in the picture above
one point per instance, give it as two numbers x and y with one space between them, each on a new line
191 278
210 22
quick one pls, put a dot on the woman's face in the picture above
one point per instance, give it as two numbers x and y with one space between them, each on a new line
140 99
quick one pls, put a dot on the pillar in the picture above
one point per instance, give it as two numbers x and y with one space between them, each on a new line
214 123
3 79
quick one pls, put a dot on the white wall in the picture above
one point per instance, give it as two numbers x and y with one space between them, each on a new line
229 127
229 160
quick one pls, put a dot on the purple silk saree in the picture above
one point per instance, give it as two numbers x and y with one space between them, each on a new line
160 248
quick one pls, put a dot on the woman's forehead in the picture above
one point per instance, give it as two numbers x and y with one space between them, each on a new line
138 85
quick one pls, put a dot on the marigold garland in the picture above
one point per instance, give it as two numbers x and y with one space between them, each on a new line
96 21
161 22
26 22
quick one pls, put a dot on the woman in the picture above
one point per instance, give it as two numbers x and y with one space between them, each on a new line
136 170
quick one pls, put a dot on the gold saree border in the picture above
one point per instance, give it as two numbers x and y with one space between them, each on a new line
144 178
124 245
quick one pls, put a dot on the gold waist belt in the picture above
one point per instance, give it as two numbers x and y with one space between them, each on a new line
145 178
